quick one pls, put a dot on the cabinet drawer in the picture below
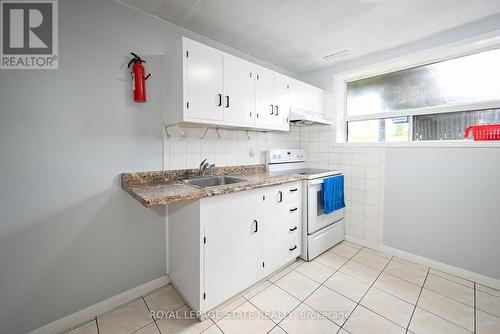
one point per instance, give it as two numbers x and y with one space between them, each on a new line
292 249
292 211
293 229
288 193
292 193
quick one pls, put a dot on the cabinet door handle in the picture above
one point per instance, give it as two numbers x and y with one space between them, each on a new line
294 190
271 109
293 248
220 100
256 226
293 228
281 196
276 113
294 209
227 101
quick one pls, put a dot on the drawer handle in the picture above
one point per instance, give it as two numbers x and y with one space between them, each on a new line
293 229
271 109
227 101
293 248
220 100
294 209
294 190
281 197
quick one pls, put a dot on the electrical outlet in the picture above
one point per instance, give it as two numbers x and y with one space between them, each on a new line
251 152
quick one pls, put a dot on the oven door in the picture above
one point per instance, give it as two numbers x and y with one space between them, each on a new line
316 218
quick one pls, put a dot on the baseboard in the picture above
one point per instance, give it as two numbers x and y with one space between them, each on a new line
104 306
469 275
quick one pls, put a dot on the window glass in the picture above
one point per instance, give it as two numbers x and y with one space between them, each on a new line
378 130
465 80
451 126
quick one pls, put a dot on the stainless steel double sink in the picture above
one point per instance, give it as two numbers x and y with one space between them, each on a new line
212 181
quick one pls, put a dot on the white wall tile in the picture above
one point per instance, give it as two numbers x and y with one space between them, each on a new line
229 150
364 172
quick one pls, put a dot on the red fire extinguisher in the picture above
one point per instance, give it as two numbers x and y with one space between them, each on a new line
138 78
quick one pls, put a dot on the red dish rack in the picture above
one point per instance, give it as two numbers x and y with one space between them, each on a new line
484 132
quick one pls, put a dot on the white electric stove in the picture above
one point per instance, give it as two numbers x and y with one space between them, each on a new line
320 231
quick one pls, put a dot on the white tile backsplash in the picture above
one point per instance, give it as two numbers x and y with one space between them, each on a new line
229 150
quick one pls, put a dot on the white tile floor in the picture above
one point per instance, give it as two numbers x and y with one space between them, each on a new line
349 289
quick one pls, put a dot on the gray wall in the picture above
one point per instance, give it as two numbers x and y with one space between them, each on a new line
69 236
443 203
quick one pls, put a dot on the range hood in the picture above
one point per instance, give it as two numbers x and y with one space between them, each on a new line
307 117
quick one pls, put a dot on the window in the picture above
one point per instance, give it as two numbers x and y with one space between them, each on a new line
451 126
378 130
436 101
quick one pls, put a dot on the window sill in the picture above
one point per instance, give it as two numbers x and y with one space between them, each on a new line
436 144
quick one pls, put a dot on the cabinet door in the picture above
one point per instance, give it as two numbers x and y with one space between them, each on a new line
233 248
273 231
202 82
281 102
306 97
264 98
239 92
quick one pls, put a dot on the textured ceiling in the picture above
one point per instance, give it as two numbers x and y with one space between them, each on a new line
297 34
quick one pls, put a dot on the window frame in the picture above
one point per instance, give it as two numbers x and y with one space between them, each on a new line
463 48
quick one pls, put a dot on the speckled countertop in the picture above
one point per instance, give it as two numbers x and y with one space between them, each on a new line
165 187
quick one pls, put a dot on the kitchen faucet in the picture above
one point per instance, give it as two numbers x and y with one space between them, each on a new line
204 166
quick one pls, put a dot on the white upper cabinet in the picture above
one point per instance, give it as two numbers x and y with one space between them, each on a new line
205 86
264 98
239 91
306 97
282 96
272 94
203 82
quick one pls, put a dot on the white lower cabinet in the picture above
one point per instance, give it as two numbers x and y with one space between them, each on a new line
220 246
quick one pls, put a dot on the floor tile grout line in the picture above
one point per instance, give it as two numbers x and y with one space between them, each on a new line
302 302
416 302
359 303
488 313
402 278
441 317
487 293
215 324
451 298
451 322
154 318
450 280
410 267
393 295
368 249
475 310
275 323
